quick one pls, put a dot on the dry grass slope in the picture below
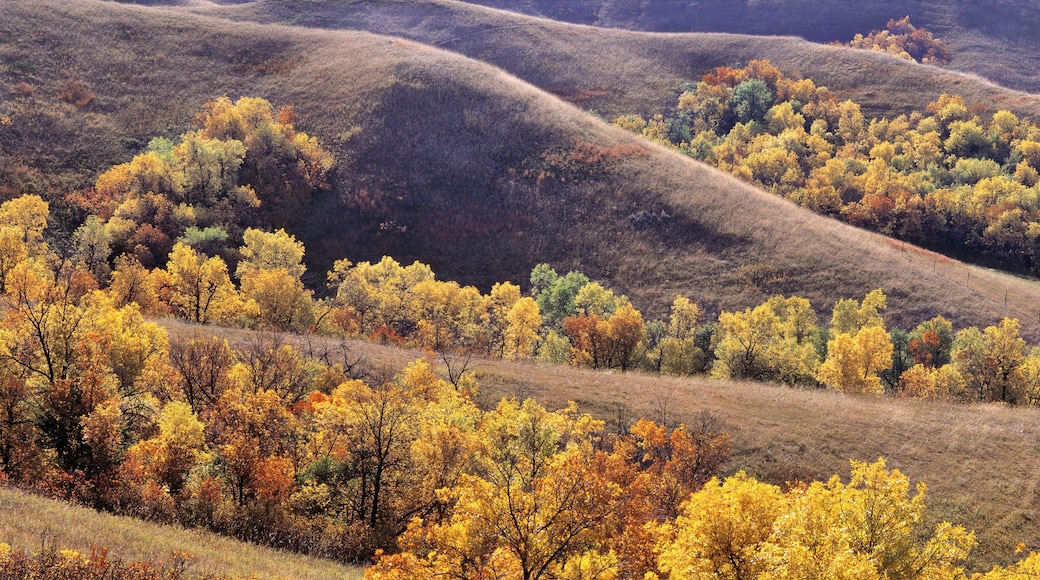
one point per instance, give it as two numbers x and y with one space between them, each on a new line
617 71
31 523
979 461
994 39
439 156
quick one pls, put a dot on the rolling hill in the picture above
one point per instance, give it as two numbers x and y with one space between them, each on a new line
994 39
620 72
34 524
456 163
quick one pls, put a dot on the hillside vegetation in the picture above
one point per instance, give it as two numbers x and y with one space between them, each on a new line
37 524
450 161
975 459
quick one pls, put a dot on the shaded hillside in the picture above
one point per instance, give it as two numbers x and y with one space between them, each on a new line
453 162
977 460
619 72
995 39
34 523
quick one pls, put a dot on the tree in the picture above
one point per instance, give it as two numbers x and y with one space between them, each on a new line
201 290
850 316
281 300
28 216
679 353
282 165
991 361
605 343
869 528
168 457
254 435
92 248
769 342
500 302
721 530
523 322
57 338
19 435
556 294
854 361
270 251
202 365
750 101
533 505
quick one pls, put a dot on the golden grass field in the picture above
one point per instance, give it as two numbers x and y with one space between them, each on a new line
33 523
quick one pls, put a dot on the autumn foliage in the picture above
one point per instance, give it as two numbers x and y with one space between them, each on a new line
904 40
945 178
308 451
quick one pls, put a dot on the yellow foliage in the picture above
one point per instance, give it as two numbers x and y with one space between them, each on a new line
721 530
854 361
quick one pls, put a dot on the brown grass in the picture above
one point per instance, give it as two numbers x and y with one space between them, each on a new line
977 460
621 72
33 523
994 39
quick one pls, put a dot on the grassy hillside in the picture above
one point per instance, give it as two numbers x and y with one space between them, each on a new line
458 164
994 39
32 523
615 71
977 460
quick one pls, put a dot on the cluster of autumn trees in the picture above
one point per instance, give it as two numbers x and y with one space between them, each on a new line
244 166
295 447
571 319
946 179
902 39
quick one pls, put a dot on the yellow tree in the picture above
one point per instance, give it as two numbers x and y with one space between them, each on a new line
924 382
28 216
500 302
991 361
679 353
869 528
854 361
132 282
721 530
534 508
270 251
850 316
270 273
769 342
281 300
12 251
201 289
522 323
167 458
254 435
